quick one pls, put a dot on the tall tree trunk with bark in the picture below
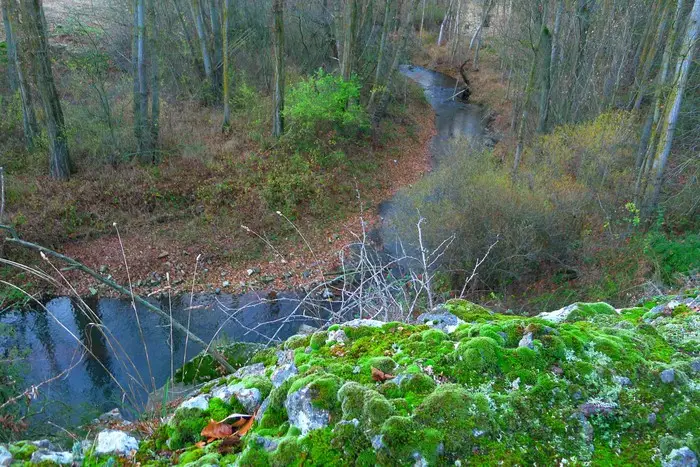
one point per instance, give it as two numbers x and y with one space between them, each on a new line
674 101
650 58
154 125
203 45
15 53
143 132
218 45
380 57
476 38
226 125
11 46
349 33
545 79
59 157
278 48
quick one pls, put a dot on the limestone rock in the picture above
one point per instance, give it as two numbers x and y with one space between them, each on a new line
115 442
199 402
5 457
337 336
283 373
257 369
57 457
668 376
682 457
442 320
302 413
527 341
358 323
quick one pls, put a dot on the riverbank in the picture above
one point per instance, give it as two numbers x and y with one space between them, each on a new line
184 209
583 384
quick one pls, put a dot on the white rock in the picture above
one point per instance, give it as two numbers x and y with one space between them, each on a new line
337 336
560 315
370 323
115 442
256 369
302 413
199 402
5 457
527 341
57 457
283 373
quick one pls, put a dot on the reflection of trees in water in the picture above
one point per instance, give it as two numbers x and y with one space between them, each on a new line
42 331
99 363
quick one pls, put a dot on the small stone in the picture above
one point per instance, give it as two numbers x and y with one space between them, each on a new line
442 320
623 380
46 456
163 254
283 373
93 291
681 457
256 369
695 365
199 402
113 415
358 323
268 444
225 284
115 442
337 336
378 442
668 376
651 419
303 414
217 291
527 341
250 398
5 457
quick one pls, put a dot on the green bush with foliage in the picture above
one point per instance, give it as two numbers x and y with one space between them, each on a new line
672 256
323 103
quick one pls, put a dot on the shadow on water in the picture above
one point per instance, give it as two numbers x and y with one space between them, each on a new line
55 337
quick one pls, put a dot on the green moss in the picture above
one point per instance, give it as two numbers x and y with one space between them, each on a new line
185 428
418 383
190 456
264 385
375 410
468 311
318 340
267 357
296 342
433 336
22 450
286 454
385 364
481 354
586 311
253 456
351 396
324 389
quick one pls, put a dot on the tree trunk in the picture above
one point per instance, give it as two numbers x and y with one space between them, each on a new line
675 99
226 125
154 126
11 46
381 53
202 36
380 109
188 37
477 34
349 33
218 45
650 58
545 80
15 52
442 25
143 143
422 20
59 158
278 48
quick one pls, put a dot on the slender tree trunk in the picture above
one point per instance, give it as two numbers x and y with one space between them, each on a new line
382 50
278 47
202 36
442 25
523 117
59 157
422 20
144 146
188 37
477 34
15 52
218 44
11 46
674 102
349 33
650 59
545 79
652 127
154 126
380 109
226 125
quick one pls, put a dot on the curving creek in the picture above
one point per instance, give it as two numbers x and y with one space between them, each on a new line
55 336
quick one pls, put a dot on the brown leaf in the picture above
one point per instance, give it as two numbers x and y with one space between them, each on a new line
227 444
379 375
245 427
216 430
201 444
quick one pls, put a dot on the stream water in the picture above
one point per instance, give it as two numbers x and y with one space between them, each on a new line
54 337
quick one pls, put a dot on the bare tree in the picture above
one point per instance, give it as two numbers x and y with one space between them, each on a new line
278 48
36 35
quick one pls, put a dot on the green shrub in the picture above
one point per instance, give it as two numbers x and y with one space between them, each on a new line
672 256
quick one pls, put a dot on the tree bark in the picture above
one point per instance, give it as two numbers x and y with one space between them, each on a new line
143 143
442 25
381 53
545 79
278 48
650 58
674 101
11 46
218 45
59 157
154 126
225 126
349 33
202 36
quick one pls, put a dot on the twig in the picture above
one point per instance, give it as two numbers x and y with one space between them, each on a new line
476 266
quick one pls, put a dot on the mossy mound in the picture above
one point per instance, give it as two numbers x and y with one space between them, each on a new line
600 387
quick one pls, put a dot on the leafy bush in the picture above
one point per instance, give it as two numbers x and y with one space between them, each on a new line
673 256
324 103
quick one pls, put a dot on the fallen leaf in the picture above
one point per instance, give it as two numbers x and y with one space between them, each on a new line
245 428
227 444
216 430
201 444
379 375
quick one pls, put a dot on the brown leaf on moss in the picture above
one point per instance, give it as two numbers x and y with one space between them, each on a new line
379 376
245 427
216 430
228 444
